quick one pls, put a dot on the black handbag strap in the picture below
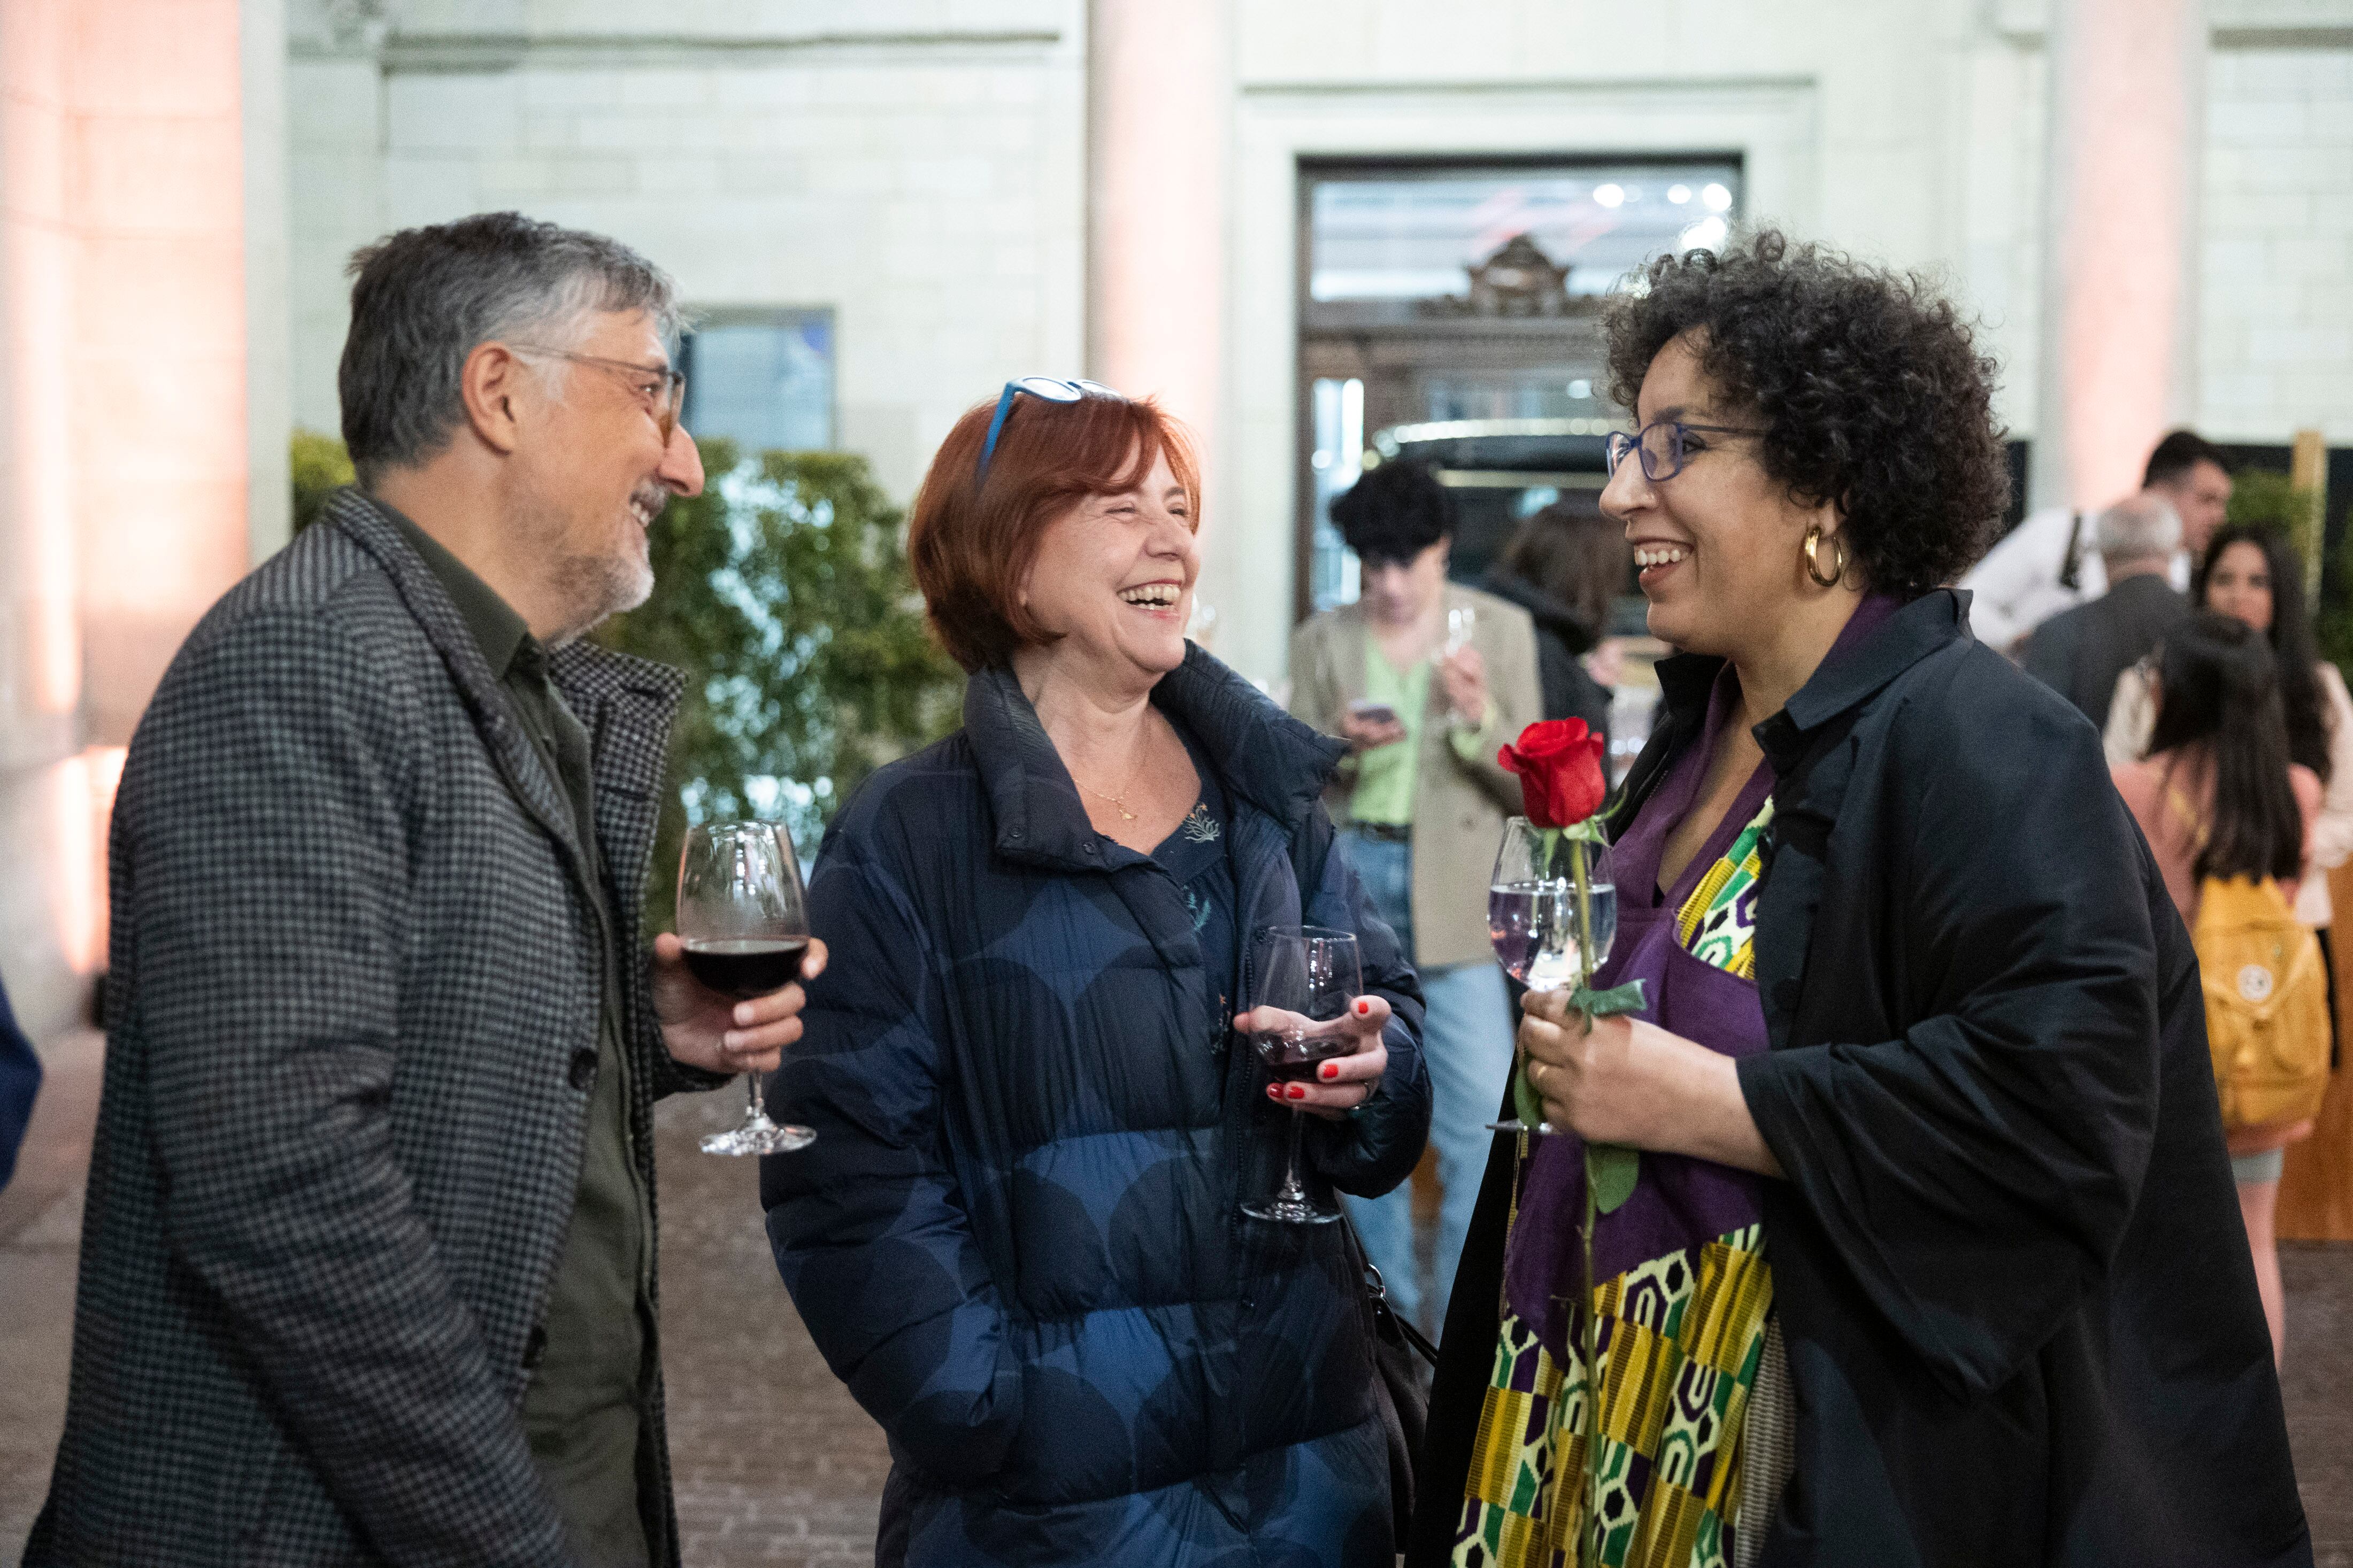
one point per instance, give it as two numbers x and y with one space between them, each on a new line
2071 564
1311 846
1376 1294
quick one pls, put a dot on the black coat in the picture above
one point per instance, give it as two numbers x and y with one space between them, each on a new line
2022 1322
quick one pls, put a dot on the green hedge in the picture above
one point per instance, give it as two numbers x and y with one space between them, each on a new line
784 590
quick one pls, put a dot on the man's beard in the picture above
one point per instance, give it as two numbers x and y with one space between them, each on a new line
590 586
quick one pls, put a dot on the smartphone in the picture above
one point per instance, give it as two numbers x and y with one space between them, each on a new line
1373 712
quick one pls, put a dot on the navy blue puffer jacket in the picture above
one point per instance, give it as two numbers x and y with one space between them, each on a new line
1017 1238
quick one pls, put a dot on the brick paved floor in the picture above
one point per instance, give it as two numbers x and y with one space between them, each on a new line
775 1463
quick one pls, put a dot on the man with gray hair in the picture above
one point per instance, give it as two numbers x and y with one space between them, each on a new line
2080 653
367 1268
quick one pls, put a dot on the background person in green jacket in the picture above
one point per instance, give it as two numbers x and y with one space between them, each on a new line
1425 678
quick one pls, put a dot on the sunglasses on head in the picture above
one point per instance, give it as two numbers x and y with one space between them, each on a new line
1052 389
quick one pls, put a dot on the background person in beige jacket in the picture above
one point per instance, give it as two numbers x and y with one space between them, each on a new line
1425 680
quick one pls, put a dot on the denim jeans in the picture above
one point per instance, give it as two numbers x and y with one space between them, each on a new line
1467 1040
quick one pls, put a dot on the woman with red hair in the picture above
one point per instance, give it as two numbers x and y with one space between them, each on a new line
1017 1237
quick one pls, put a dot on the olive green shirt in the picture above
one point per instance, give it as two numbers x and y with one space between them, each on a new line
586 1401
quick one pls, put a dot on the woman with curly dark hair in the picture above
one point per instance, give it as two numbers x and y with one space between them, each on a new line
1924 1261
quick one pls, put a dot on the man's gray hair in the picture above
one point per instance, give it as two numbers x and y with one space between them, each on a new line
2140 528
424 298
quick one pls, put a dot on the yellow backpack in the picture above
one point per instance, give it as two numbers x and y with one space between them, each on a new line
2266 1002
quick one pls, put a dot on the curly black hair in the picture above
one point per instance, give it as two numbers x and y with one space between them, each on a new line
1870 388
1394 512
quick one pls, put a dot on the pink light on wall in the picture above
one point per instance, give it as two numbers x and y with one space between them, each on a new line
2119 271
1159 94
158 388
36 290
82 800
123 449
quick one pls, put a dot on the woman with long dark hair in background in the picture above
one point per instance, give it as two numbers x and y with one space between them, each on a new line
1565 565
2251 574
2217 797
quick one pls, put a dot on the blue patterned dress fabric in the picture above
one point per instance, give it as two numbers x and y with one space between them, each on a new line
1017 1238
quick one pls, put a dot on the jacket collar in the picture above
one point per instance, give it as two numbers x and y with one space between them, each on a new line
596 680
1846 679
1262 754
1852 676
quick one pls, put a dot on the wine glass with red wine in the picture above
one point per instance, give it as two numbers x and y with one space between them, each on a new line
1309 977
742 916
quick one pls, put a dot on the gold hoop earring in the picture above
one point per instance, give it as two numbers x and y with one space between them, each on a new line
1814 566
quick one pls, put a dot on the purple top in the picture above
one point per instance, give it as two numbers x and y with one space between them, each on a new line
1678 1202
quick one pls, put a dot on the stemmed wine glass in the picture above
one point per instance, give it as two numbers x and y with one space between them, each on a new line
1461 626
1532 915
1311 975
742 916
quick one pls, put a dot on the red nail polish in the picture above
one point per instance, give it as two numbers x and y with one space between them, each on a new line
1364 1009
1274 1091
1329 1070
1296 1091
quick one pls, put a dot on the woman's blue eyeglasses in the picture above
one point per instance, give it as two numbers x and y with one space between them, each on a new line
1051 388
1660 446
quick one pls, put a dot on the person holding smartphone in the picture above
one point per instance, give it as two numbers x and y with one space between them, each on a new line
1425 680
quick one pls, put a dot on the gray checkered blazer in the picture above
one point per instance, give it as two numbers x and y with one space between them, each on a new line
353 1029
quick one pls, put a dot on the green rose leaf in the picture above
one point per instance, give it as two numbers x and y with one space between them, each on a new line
1610 1173
1626 999
1526 1104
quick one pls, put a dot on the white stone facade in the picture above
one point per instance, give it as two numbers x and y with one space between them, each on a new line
2275 330
916 167
920 166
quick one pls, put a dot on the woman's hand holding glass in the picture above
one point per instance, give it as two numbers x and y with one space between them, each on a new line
1624 1080
1343 1083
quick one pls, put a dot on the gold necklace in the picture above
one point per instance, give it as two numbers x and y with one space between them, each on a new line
1119 800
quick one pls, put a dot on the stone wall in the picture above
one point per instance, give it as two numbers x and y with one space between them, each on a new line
2276 319
918 166
123 429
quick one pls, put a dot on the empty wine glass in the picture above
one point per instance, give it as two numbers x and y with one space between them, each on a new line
1312 976
1533 918
1461 626
743 917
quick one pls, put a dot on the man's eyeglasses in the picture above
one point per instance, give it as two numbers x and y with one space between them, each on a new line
1661 444
1052 389
659 384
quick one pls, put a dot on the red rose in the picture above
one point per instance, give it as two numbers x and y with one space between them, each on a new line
1561 778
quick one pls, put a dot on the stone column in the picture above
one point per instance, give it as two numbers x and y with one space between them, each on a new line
2125 130
1159 117
122 426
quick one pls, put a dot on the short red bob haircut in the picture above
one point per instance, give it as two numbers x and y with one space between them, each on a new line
972 548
